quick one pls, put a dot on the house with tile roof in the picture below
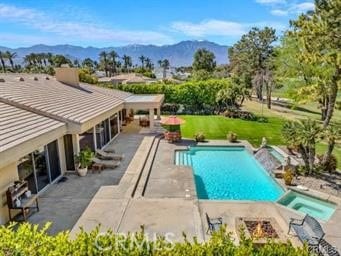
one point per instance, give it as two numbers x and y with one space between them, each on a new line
45 121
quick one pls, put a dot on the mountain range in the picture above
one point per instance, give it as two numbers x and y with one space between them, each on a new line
179 54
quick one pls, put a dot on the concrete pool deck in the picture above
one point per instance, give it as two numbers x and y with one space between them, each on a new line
169 203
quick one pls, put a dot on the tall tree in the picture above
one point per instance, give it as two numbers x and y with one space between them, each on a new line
142 59
113 55
59 60
2 60
127 62
11 56
149 64
303 135
204 60
104 61
331 134
252 56
89 64
164 64
319 38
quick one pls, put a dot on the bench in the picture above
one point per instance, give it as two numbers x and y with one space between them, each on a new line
213 224
18 198
308 230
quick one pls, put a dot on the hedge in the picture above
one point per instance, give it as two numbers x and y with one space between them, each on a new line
196 96
28 239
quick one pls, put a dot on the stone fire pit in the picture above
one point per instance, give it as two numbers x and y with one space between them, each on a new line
260 230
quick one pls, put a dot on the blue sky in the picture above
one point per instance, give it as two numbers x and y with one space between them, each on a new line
112 23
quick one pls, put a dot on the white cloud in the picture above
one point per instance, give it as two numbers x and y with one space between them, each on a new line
76 29
209 28
303 7
278 12
270 1
220 27
284 8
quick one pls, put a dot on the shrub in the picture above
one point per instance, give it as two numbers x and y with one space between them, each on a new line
330 166
232 137
288 176
86 77
27 239
170 108
199 137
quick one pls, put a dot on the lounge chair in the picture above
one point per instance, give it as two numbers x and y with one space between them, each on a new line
106 163
108 156
308 230
213 224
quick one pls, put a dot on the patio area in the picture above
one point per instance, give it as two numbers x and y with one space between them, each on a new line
64 202
168 205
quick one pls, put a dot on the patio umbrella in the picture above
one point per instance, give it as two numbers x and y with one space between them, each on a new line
172 120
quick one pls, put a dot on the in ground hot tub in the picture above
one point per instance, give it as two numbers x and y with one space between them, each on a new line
313 206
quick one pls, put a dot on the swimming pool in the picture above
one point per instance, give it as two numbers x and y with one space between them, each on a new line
313 206
228 173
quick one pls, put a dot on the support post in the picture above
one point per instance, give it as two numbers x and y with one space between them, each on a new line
151 119
158 112
75 144
118 123
94 136
109 126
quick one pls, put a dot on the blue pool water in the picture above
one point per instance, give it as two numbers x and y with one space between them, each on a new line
231 173
309 205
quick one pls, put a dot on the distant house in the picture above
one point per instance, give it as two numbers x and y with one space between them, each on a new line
45 121
158 72
129 78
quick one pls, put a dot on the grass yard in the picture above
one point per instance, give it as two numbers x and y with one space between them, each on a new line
217 127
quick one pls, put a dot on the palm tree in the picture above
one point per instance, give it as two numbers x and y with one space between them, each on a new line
2 60
149 64
126 62
104 59
11 56
142 59
113 56
49 57
303 135
165 66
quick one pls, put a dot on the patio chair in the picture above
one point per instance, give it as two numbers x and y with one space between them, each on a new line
213 224
108 156
106 163
308 230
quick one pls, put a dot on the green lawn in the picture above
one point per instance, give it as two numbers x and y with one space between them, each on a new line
217 127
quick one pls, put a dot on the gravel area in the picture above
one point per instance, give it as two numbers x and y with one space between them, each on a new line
320 184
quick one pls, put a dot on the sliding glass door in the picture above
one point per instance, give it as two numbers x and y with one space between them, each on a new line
114 125
54 165
40 167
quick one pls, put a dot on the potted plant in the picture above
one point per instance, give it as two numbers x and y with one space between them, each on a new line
232 137
288 176
199 137
83 160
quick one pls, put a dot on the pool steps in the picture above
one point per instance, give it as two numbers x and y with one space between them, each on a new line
183 158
